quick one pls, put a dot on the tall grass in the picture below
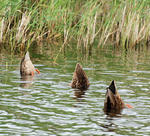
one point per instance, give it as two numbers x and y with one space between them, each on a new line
120 23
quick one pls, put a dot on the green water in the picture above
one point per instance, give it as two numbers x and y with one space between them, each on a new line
46 104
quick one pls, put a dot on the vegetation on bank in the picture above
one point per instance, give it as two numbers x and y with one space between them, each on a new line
123 23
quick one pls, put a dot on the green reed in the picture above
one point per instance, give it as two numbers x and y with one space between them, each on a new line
120 23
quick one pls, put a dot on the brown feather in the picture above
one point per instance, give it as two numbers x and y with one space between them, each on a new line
113 101
26 66
79 80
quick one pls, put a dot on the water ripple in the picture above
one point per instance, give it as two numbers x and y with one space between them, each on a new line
46 104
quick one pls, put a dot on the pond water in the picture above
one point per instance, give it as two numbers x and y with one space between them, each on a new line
47 105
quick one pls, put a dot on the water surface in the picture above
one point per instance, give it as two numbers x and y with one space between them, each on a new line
46 104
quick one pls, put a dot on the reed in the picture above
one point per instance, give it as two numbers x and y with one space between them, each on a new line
123 24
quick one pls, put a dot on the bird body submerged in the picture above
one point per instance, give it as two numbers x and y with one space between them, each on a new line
26 66
113 101
79 80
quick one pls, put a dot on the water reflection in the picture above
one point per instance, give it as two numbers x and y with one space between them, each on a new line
113 113
26 81
79 93
110 125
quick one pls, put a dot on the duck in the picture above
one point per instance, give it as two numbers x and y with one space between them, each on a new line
80 79
113 101
27 67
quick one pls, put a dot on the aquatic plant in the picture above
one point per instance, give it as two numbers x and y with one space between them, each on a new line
90 22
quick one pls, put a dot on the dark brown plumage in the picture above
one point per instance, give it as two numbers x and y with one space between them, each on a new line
113 101
79 80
